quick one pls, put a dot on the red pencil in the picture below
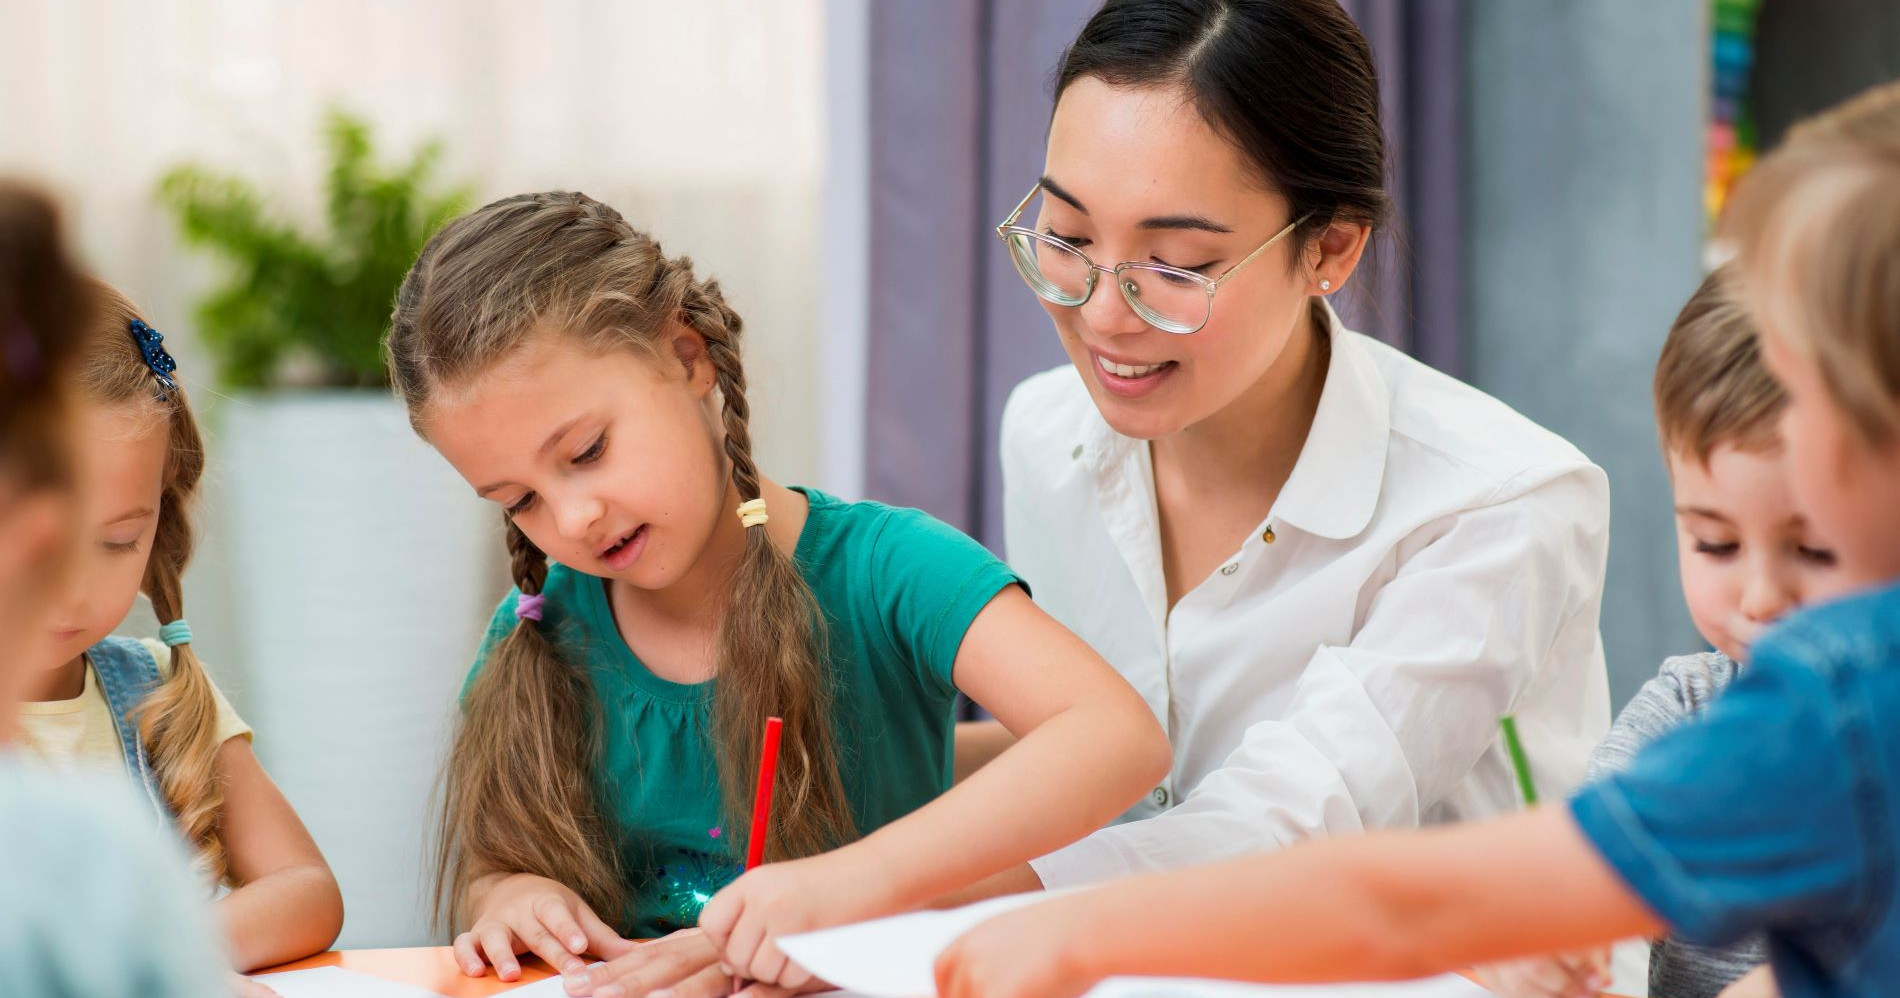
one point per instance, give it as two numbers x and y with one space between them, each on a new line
762 804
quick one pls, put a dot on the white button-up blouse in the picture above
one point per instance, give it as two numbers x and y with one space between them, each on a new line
1434 561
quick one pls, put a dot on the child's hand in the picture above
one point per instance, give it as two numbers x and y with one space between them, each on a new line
745 920
1022 954
682 965
524 913
1579 975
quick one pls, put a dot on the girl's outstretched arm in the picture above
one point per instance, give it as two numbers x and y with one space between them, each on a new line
287 904
1381 906
1087 747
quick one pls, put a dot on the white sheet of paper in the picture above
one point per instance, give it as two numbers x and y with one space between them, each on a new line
1446 986
335 982
893 957
896 958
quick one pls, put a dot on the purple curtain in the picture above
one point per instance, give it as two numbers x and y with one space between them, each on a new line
959 108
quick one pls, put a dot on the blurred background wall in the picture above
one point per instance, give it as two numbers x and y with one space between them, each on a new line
702 122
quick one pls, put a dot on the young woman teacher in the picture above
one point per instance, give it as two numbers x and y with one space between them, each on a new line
1328 568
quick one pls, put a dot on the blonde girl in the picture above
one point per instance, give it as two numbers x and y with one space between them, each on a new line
146 711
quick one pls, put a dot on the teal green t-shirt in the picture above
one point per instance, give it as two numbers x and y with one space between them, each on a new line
898 589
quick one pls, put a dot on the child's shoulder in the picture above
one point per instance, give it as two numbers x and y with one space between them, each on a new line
886 543
834 521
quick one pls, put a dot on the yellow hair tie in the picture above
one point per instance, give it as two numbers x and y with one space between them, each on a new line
752 512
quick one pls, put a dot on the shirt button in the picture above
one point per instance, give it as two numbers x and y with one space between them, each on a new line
1230 568
1161 796
1076 454
1267 535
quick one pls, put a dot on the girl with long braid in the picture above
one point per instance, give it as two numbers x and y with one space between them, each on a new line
670 598
146 711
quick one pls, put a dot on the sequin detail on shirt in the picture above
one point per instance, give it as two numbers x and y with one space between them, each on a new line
687 881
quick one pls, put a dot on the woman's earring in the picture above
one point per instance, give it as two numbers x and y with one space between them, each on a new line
1325 285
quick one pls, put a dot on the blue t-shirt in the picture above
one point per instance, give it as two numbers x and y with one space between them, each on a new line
1779 812
898 590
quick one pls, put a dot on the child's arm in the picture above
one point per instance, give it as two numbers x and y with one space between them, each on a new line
287 904
1380 906
1087 747
978 744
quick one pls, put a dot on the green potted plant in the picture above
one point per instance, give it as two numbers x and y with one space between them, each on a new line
303 308
361 566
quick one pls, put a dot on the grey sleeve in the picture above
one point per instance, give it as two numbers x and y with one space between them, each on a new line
1683 688
1655 708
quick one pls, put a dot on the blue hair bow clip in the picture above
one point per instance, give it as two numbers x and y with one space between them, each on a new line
152 344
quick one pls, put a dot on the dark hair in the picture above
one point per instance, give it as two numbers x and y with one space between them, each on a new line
45 316
1290 83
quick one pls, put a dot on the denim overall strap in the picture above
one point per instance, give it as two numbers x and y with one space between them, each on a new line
127 675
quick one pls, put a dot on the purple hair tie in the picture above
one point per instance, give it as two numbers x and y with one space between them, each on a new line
529 607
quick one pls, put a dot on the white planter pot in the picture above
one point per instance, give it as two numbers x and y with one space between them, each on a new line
362 573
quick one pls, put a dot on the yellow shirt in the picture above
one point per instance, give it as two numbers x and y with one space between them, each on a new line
78 734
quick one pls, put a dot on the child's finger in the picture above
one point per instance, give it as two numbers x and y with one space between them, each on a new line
708 983
466 956
768 964
793 976
1587 978
742 944
1574 983
719 916
497 944
759 989
1596 969
1546 977
601 937
560 924
658 966
949 971
542 943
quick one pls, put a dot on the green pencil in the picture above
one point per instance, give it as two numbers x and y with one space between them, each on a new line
1518 761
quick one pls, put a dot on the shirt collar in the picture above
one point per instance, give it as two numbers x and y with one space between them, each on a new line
1334 487
1335 483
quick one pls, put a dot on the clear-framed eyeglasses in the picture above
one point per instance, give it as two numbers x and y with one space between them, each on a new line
1168 298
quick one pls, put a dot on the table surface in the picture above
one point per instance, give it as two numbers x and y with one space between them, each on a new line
431 968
